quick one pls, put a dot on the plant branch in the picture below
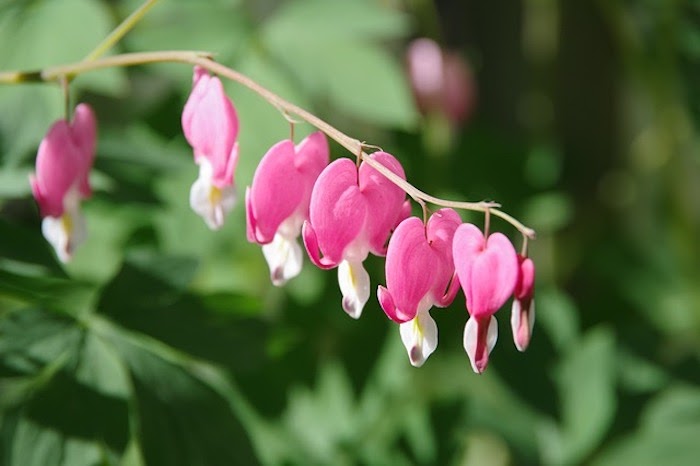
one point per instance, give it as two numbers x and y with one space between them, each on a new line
203 59
121 30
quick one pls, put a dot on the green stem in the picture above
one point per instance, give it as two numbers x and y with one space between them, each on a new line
121 30
203 59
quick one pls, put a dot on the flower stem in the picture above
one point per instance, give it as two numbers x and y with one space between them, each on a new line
203 59
121 30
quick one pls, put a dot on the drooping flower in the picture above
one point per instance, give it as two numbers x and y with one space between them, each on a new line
63 164
522 318
352 213
277 203
420 273
487 269
442 81
210 125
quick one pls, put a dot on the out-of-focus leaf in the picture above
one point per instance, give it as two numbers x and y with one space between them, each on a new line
548 213
639 375
327 413
668 433
27 113
219 27
99 367
309 21
14 182
335 58
59 294
558 315
26 249
46 33
149 295
586 381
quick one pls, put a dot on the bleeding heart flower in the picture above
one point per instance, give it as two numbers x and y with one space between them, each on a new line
420 274
352 213
522 318
277 203
63 164
210 125
487 269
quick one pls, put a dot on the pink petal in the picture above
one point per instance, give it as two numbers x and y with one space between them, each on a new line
276 191
409 265
59 165
84 130
493 276
487 270
386 301
384 200
283 182
337 211
525 284
210 124
312 154
419 264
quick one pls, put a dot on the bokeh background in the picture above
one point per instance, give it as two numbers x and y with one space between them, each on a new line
164 343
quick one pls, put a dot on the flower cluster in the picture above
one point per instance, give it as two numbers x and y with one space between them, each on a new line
342 209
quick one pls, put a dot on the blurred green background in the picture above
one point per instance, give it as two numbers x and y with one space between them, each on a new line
164 343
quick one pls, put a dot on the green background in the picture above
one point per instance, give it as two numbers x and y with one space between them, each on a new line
164 343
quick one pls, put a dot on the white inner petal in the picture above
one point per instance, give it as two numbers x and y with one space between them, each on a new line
522 336
471 340
284 257
420 337
67 232
208 201
354 285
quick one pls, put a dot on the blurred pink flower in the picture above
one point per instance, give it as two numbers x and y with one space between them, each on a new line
210 125
420 273
352 213
277 203
63 164
522 318
442 81
487 269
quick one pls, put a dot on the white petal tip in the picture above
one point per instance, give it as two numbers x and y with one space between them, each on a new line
354 285
65 233
284 257
419 337
522 323
211 203
415 355
352 307
479 340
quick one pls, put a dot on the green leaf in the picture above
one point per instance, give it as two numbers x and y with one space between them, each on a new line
67 296
558 316
549 212
668 432
149 295
333 57
182 420
46 33
312 21
585 379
